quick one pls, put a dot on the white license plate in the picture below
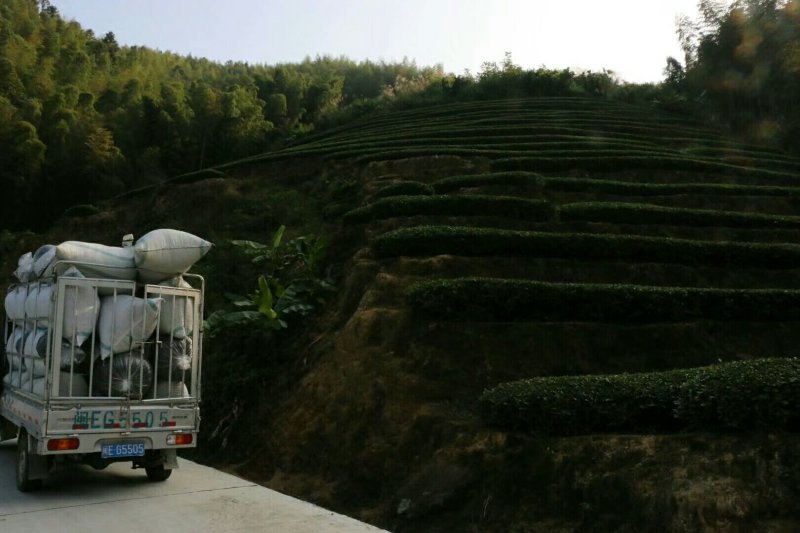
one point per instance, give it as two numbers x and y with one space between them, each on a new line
122 449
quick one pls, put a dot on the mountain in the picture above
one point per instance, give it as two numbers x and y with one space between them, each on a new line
550 314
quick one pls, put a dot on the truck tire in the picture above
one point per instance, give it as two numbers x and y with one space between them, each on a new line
24 482
158 473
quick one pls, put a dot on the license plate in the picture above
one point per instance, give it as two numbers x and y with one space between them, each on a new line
122 449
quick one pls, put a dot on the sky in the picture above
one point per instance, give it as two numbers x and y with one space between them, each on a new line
631 37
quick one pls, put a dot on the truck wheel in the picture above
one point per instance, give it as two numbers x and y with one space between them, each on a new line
157 473
24 482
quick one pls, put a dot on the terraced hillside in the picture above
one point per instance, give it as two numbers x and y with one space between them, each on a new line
555 314
504 241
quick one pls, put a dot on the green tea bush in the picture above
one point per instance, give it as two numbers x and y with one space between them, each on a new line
506 300
467 241
742 395
662 189
613 163
514 179
571 405
627 213
467 205
405 188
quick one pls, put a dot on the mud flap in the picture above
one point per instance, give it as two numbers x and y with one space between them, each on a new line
7 430
39 464
170 459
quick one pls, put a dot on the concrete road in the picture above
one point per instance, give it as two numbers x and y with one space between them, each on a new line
195 499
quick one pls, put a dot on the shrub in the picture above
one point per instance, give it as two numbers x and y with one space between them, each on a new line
757 394
658 189
467 205
583 404
405 188
627 213
82 210
613 163
466 241
514 179
489 299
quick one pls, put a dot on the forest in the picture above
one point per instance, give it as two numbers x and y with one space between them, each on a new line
83 118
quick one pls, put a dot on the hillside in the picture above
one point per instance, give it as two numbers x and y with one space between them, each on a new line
483 243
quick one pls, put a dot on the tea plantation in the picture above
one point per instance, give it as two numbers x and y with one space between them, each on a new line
551 314
564 304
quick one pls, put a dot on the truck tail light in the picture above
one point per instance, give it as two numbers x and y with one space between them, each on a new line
181 439
59 445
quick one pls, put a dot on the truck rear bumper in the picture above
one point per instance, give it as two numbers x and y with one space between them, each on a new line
93 442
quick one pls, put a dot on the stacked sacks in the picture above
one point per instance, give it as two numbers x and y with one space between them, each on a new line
81 307
123 322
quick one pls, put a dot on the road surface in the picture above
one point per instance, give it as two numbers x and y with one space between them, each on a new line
195 499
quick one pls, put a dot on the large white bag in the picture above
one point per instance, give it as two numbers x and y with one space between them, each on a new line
177 313
24 271
166 253
42 259
129 320
36 343
112 262
37 304
81 307
79 386
15 302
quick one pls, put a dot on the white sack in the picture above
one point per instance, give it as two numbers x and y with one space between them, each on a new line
14 342
81 307
176 390
114 262
79 386
43 258
177 313
24 271
37 304
166 253
128 331
36 343
15 302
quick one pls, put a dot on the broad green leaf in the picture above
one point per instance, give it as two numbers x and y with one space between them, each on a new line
276 239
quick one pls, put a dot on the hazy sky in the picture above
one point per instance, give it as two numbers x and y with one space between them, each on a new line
630 37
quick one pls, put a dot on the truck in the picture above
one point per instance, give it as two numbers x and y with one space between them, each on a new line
66 396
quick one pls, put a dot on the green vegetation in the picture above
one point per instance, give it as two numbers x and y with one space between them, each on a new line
741 68
602 186
467 241
405 188
644 162
628 213
291 287
513 179
758 394
605 186
487 299
83 118
472 205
